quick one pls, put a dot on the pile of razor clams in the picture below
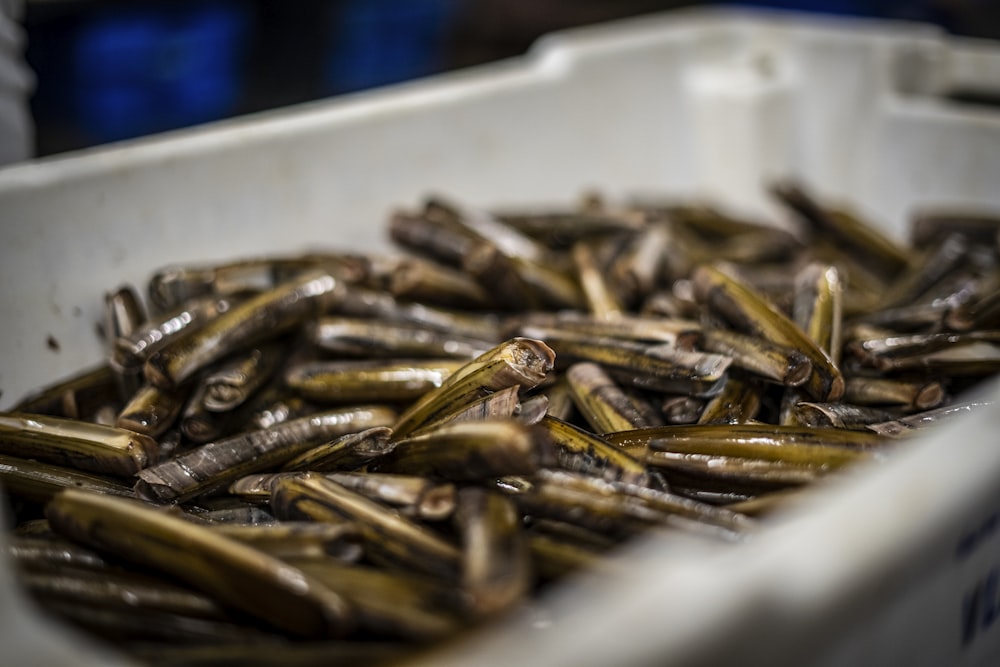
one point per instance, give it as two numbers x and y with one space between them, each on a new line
345 457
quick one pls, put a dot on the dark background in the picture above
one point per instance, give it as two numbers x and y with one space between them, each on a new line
110 69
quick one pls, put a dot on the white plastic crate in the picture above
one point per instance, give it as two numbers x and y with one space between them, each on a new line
895 565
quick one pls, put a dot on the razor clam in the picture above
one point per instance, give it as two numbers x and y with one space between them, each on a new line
116 588
950 255
123 314
736 473
553 557
245 515
818 310
256 487
397 380
635 328
918 395
737 403
275 405
929 227
746 310
218 463
718 498
636 269
559 399
841 415
519 361
391 603
788 444
904 426
481 223
578 450
34 528
347 452
972 358
266 315
701 218
664 303
974 303
683 409
122 627
915 317
604 404
971 353
818 306
467 451
560 228
434 238
92 447
297 539
532 409
764 503
601 512
235 575
231 383
643 502
494 270
860 237
779 363
386 534
152 410
570 533
598 505
660 367
414 496
553 287
380 305
174 285
38 482
756 246
498 405
355 337
496 565
131 352
601 301
50 552
880 352
515 269
75 397
201 425
429 282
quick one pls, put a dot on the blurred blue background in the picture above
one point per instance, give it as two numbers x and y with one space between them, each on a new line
109 70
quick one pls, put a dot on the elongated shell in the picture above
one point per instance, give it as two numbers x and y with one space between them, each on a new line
578 450
518 361
496 570
40 481
73 397
385 532
603 403
369 379
218 463
751 313
392 602
468 451
264 316
793 444
355 337
236 575
76 444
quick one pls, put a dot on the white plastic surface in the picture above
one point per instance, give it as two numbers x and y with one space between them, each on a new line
890 566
